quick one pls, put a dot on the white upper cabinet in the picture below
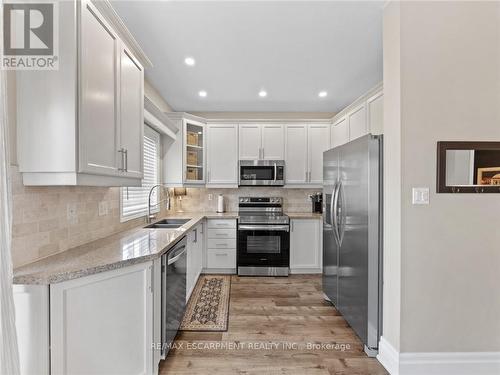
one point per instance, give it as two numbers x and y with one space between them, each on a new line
357 122
362 117
222 151
262 141
297 167
339 132
83 123
131 113
305 144
99 104
375 109
318 138
250 141
273 142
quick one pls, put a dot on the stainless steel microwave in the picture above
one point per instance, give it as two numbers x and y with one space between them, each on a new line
262 172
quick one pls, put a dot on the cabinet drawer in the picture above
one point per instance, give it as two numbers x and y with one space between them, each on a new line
222 233
221 258
222 243
221 223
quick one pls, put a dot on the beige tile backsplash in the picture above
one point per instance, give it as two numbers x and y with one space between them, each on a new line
42 225
294 200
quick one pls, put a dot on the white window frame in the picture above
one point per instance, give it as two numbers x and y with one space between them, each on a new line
155 207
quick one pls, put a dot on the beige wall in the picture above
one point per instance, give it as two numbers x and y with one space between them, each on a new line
392 176
448 80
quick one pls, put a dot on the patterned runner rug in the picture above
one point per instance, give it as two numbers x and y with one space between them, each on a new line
208 307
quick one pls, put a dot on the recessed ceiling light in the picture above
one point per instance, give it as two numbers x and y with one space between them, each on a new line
189 61
322 94
262 93
202 93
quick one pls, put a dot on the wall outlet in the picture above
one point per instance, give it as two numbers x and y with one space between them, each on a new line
420 195
103 208
210 197
71 213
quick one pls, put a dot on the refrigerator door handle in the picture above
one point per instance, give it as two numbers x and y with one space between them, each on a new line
342 215
334 212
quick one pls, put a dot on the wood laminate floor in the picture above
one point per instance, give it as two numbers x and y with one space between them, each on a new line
276 326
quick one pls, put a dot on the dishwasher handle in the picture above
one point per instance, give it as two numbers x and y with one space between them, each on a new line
172 259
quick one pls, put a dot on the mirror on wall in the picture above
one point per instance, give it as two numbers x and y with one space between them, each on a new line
468 167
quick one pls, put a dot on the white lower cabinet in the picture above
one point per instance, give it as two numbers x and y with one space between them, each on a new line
103 323
221 246
194 258
32 326
305 246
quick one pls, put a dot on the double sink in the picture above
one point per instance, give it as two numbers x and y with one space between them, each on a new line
168 224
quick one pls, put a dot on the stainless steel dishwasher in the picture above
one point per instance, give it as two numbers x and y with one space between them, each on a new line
173 298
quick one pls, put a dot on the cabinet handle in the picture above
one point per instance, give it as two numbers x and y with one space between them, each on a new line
263 152
221 244
221 254
126 159
291 226
306 175
122 154
196 235
208 176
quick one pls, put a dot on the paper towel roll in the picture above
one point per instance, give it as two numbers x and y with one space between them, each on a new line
220 203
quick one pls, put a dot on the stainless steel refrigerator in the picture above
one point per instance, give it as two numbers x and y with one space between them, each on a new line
352 235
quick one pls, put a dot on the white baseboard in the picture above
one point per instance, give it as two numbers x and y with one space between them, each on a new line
442 363
388 356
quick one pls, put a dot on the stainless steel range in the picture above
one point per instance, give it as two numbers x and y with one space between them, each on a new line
263 237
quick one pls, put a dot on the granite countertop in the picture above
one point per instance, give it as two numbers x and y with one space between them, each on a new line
304 215
119 250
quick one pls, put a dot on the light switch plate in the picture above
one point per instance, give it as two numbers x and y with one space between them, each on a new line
420 195
103 208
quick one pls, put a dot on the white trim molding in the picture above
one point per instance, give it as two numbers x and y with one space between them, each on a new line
438 363
107 10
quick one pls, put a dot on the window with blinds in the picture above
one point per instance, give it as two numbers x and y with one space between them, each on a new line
134 200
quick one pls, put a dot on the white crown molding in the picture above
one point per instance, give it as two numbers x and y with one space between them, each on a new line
358 101
107 10
438 363
185 115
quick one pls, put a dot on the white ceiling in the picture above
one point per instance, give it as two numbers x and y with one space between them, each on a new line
291 49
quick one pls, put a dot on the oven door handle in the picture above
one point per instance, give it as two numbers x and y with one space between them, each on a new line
281 228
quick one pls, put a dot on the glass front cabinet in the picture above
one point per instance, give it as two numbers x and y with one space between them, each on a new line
194 152
184 157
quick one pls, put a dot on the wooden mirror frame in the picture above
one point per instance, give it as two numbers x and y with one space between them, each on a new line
442 147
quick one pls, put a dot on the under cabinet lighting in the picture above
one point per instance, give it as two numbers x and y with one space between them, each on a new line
202 93
262 93
322 94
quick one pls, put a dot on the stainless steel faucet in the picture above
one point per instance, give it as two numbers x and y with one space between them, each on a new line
167 200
